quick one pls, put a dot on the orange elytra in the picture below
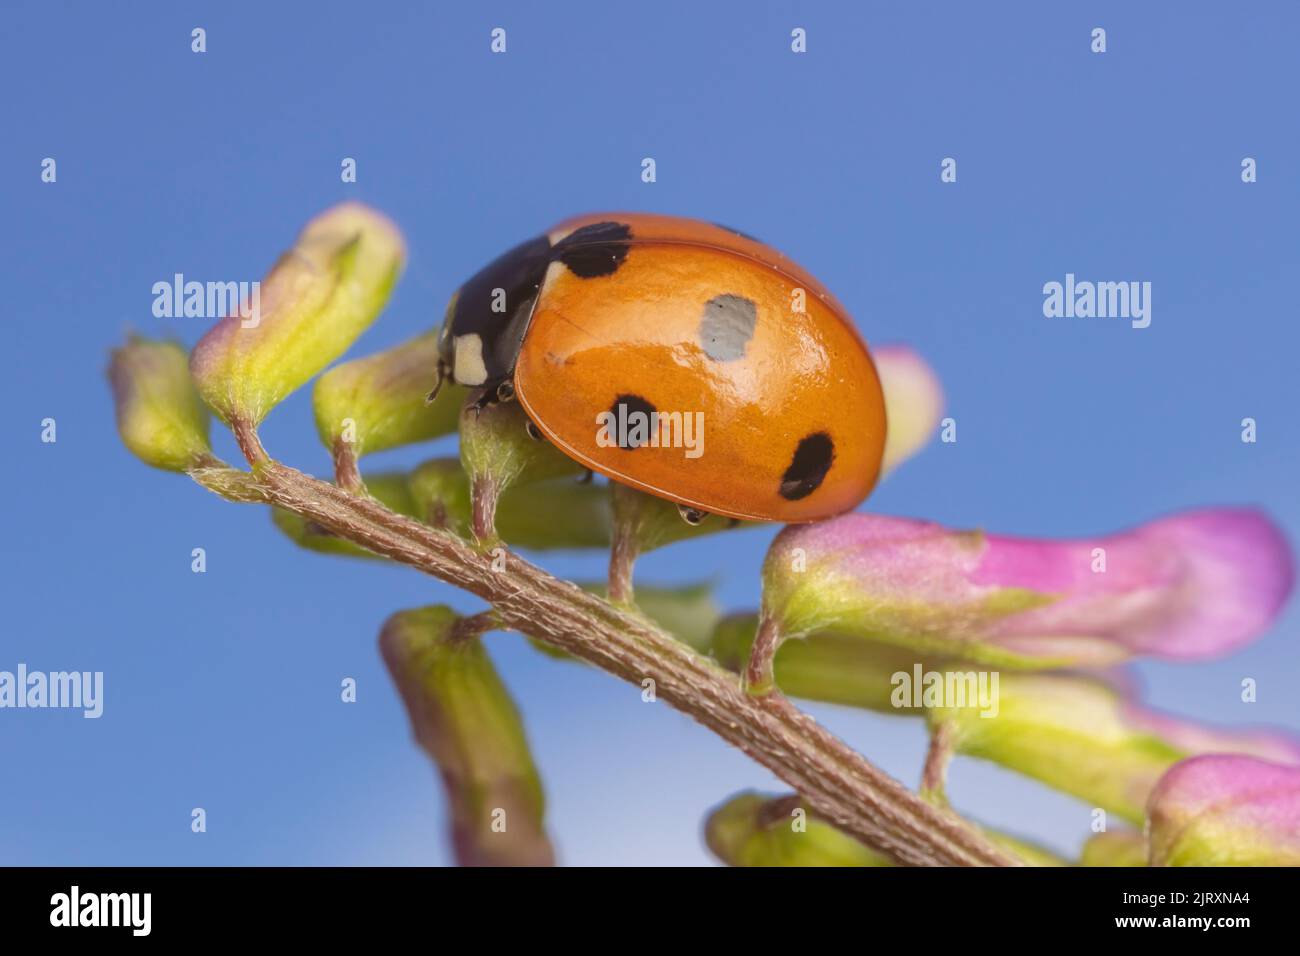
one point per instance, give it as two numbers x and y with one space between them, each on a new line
681 358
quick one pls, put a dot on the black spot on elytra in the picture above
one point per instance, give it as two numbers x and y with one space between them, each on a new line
727 326
624 427
812 459
594 250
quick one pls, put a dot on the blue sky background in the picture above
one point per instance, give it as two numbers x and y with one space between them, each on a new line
223 688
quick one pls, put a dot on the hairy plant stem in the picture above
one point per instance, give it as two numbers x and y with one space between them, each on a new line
249 442
347 475
934 776
759 676
475 626
622 559
484 494
625 508
837 783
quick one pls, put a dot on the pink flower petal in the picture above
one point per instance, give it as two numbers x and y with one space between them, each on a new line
1220 810
913 401
1192 585
1279 746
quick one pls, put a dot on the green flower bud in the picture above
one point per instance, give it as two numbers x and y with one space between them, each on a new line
498 450
829 667
1115 848
641 523
1080 735
1226 810
1031 853
495 443
312 305
551 514
378 402
753 829
654 522
463 717
440 490
159 414
1069 732
1074 733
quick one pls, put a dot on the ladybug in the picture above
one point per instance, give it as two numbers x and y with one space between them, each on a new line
615 330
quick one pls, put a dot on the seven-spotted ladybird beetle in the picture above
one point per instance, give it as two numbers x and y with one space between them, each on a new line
679 357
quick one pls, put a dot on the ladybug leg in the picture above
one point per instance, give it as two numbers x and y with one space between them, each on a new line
692 516
586 476
533 431
443 375
480 399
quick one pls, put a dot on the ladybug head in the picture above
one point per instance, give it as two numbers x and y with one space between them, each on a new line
487 317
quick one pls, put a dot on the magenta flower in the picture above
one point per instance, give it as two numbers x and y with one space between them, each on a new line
1221 810
1193 585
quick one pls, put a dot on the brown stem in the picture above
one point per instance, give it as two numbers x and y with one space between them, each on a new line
476 625
249 443
779 809
231 483
839 784
758 678
347 475
206 460
622 559
934 776
625 511
483 496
